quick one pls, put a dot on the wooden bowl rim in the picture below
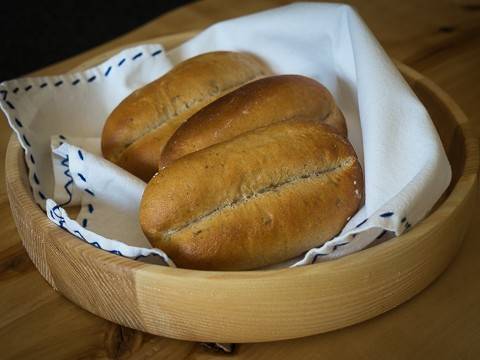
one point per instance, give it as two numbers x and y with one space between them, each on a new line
460 190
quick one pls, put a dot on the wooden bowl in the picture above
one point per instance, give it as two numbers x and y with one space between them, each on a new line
258 306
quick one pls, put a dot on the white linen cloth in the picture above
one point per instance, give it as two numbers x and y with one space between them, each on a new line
58 121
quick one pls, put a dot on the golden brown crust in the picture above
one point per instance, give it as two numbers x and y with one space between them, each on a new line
143 156
256 104
165 103
260 198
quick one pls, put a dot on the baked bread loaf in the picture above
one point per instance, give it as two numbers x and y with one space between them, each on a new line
257 199
138 128
259 103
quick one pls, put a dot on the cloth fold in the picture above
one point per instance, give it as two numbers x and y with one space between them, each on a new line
58 121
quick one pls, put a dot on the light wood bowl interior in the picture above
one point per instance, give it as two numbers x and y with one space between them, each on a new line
258 306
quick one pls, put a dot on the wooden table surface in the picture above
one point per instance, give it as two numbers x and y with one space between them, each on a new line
441 39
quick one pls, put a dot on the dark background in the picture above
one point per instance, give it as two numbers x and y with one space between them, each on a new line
38 33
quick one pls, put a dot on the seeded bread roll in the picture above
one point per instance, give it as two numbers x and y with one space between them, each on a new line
138 128
257 104
257 199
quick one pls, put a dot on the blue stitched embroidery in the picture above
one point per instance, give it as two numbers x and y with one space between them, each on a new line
316 256
81 236
338 245
386 214
94 243
64 163
142 256
54 215
90 207
82 177
25 139
363 222
52 212
4 92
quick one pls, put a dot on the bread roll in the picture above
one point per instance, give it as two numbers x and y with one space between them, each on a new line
260 198
259 103
136 131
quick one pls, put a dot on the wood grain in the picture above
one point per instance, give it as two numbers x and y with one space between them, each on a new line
309 300
178 303
444 322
